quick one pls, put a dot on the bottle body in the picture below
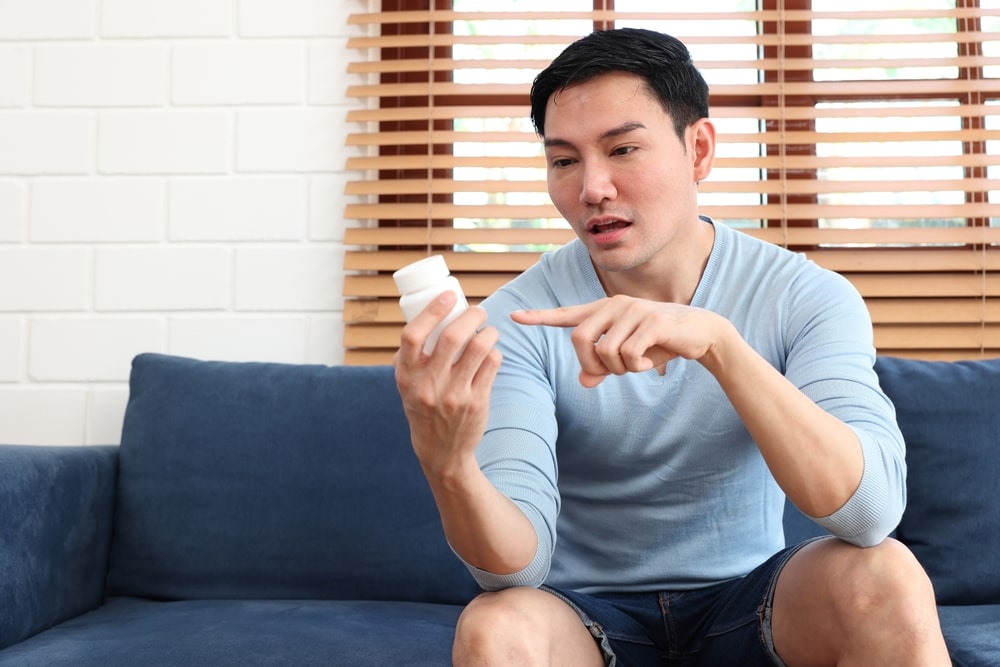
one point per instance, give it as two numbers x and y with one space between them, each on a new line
421 282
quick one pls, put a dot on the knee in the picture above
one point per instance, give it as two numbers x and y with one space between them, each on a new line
490 631
886 580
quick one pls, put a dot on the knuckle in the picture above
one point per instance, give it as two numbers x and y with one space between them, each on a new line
453 404
622 300
631 352
409 338
425 399
604 349
581 336
453 338
494 359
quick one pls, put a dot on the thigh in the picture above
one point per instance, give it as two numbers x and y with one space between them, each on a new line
802 620
523 626
730 623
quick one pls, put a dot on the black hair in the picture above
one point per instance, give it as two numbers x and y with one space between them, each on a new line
661 60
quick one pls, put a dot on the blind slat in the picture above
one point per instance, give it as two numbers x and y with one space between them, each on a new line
840 260
897 87
737 111
481 285
545 211
795 236
790 162
884 311
677 13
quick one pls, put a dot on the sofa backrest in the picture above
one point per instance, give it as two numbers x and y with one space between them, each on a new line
949 414
261 480
256 480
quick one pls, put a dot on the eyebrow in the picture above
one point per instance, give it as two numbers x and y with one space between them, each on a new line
624 128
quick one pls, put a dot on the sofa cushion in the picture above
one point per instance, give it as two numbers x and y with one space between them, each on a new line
972 633
127 632
948 413
258 480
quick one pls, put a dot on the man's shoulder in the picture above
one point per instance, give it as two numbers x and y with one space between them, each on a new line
773 257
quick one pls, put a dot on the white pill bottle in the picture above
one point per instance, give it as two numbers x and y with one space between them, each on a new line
421 282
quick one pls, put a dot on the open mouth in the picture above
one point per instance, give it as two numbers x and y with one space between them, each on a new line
602 225
606 230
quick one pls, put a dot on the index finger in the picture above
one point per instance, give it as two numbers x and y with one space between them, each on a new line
564 316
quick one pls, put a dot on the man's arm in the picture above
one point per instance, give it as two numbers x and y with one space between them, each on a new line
447 405
815 457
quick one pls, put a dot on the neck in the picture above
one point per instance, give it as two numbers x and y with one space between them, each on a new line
672 278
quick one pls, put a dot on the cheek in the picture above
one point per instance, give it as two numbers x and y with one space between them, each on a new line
564 191
650 185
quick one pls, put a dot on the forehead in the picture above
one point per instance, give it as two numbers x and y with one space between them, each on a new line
607 100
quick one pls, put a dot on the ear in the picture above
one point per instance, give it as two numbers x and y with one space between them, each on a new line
701 147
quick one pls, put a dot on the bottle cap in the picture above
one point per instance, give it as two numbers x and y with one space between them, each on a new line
420 274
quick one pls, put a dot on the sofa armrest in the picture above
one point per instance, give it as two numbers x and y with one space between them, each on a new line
56 514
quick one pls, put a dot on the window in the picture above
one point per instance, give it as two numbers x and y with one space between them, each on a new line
865 137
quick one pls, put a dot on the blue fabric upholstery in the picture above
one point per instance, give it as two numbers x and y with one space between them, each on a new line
55 531
274 481
269 514
128 632
972 633
950 417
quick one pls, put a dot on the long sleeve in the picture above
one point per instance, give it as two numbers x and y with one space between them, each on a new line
650 482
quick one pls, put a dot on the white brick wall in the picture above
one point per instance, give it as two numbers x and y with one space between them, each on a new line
171 180
100 75
41 143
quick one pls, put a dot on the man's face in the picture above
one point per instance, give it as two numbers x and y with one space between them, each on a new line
618 172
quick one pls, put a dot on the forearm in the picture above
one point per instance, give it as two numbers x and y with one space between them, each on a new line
815 457
484 527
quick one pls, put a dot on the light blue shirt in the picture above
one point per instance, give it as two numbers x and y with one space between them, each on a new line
651 482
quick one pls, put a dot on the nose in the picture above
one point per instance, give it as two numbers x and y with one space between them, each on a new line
598 185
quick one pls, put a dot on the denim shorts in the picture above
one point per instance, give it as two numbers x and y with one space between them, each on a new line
724 624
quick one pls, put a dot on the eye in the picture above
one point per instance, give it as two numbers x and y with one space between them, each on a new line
561 162
623 150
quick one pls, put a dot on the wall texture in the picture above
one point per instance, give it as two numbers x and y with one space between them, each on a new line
171 179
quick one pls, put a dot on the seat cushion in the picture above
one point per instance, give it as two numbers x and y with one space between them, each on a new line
972 634
127 632
255 480
948 413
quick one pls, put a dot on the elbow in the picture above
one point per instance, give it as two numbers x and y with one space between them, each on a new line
532 576
872 513
865 528
867 539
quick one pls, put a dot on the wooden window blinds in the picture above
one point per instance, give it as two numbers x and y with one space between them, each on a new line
865 135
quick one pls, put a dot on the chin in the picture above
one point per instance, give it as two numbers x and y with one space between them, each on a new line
604 262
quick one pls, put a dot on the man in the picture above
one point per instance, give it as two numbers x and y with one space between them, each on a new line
616 482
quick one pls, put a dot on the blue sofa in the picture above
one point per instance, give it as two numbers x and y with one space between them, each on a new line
270 514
